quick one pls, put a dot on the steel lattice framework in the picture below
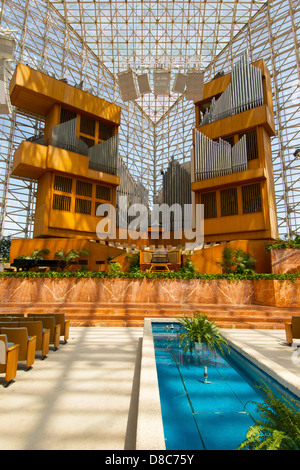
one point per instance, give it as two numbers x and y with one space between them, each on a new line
92 41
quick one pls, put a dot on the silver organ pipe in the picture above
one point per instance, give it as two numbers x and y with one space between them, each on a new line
239 155
214 159
135 192
244 92
104 156
176 189
64 136
223 106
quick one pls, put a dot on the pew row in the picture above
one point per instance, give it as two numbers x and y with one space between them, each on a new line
27 344
60 319
49 322
34 328
9 355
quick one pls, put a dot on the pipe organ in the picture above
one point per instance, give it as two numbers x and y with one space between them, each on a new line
244 92
218 158
77 166
232 161
104 156
135 192
176 189
64 137
75 161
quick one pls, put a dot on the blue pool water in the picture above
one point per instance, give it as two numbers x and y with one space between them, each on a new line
211 414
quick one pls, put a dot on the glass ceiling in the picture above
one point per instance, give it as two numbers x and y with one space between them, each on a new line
147 35
93 41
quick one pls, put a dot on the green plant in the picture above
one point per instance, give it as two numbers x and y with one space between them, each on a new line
83 269
36 254
198 329
66 258
244 261
5 243
138 274
236 261
281 244
134 261
188 267
227 261
115 268
278 427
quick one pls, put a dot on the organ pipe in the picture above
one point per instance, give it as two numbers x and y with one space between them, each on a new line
214 159
135 192
176 189
104 156
64 136
244 92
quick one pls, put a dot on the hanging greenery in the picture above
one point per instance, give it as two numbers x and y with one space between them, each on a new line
285 244
137 274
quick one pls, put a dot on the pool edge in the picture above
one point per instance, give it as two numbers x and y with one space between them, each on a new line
150 433
284 377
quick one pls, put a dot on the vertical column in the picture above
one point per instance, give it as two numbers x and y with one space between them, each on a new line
278 120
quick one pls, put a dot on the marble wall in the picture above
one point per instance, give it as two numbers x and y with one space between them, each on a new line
148 291
285 261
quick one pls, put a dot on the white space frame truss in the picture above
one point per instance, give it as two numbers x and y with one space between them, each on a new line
92 41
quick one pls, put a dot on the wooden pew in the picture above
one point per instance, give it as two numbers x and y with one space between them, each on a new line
64 324
26 343
35 328
49 322
292 329
9 354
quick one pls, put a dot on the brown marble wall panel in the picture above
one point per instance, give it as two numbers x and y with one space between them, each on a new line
264 293
277 293
285 261
150 291
287 294
235 292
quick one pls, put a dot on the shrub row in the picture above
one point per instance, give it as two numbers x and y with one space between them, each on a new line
146 275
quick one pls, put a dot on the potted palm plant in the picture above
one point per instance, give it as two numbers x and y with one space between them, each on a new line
66 258
36 254
198 330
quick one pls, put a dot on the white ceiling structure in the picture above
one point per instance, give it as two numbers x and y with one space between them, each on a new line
93 41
